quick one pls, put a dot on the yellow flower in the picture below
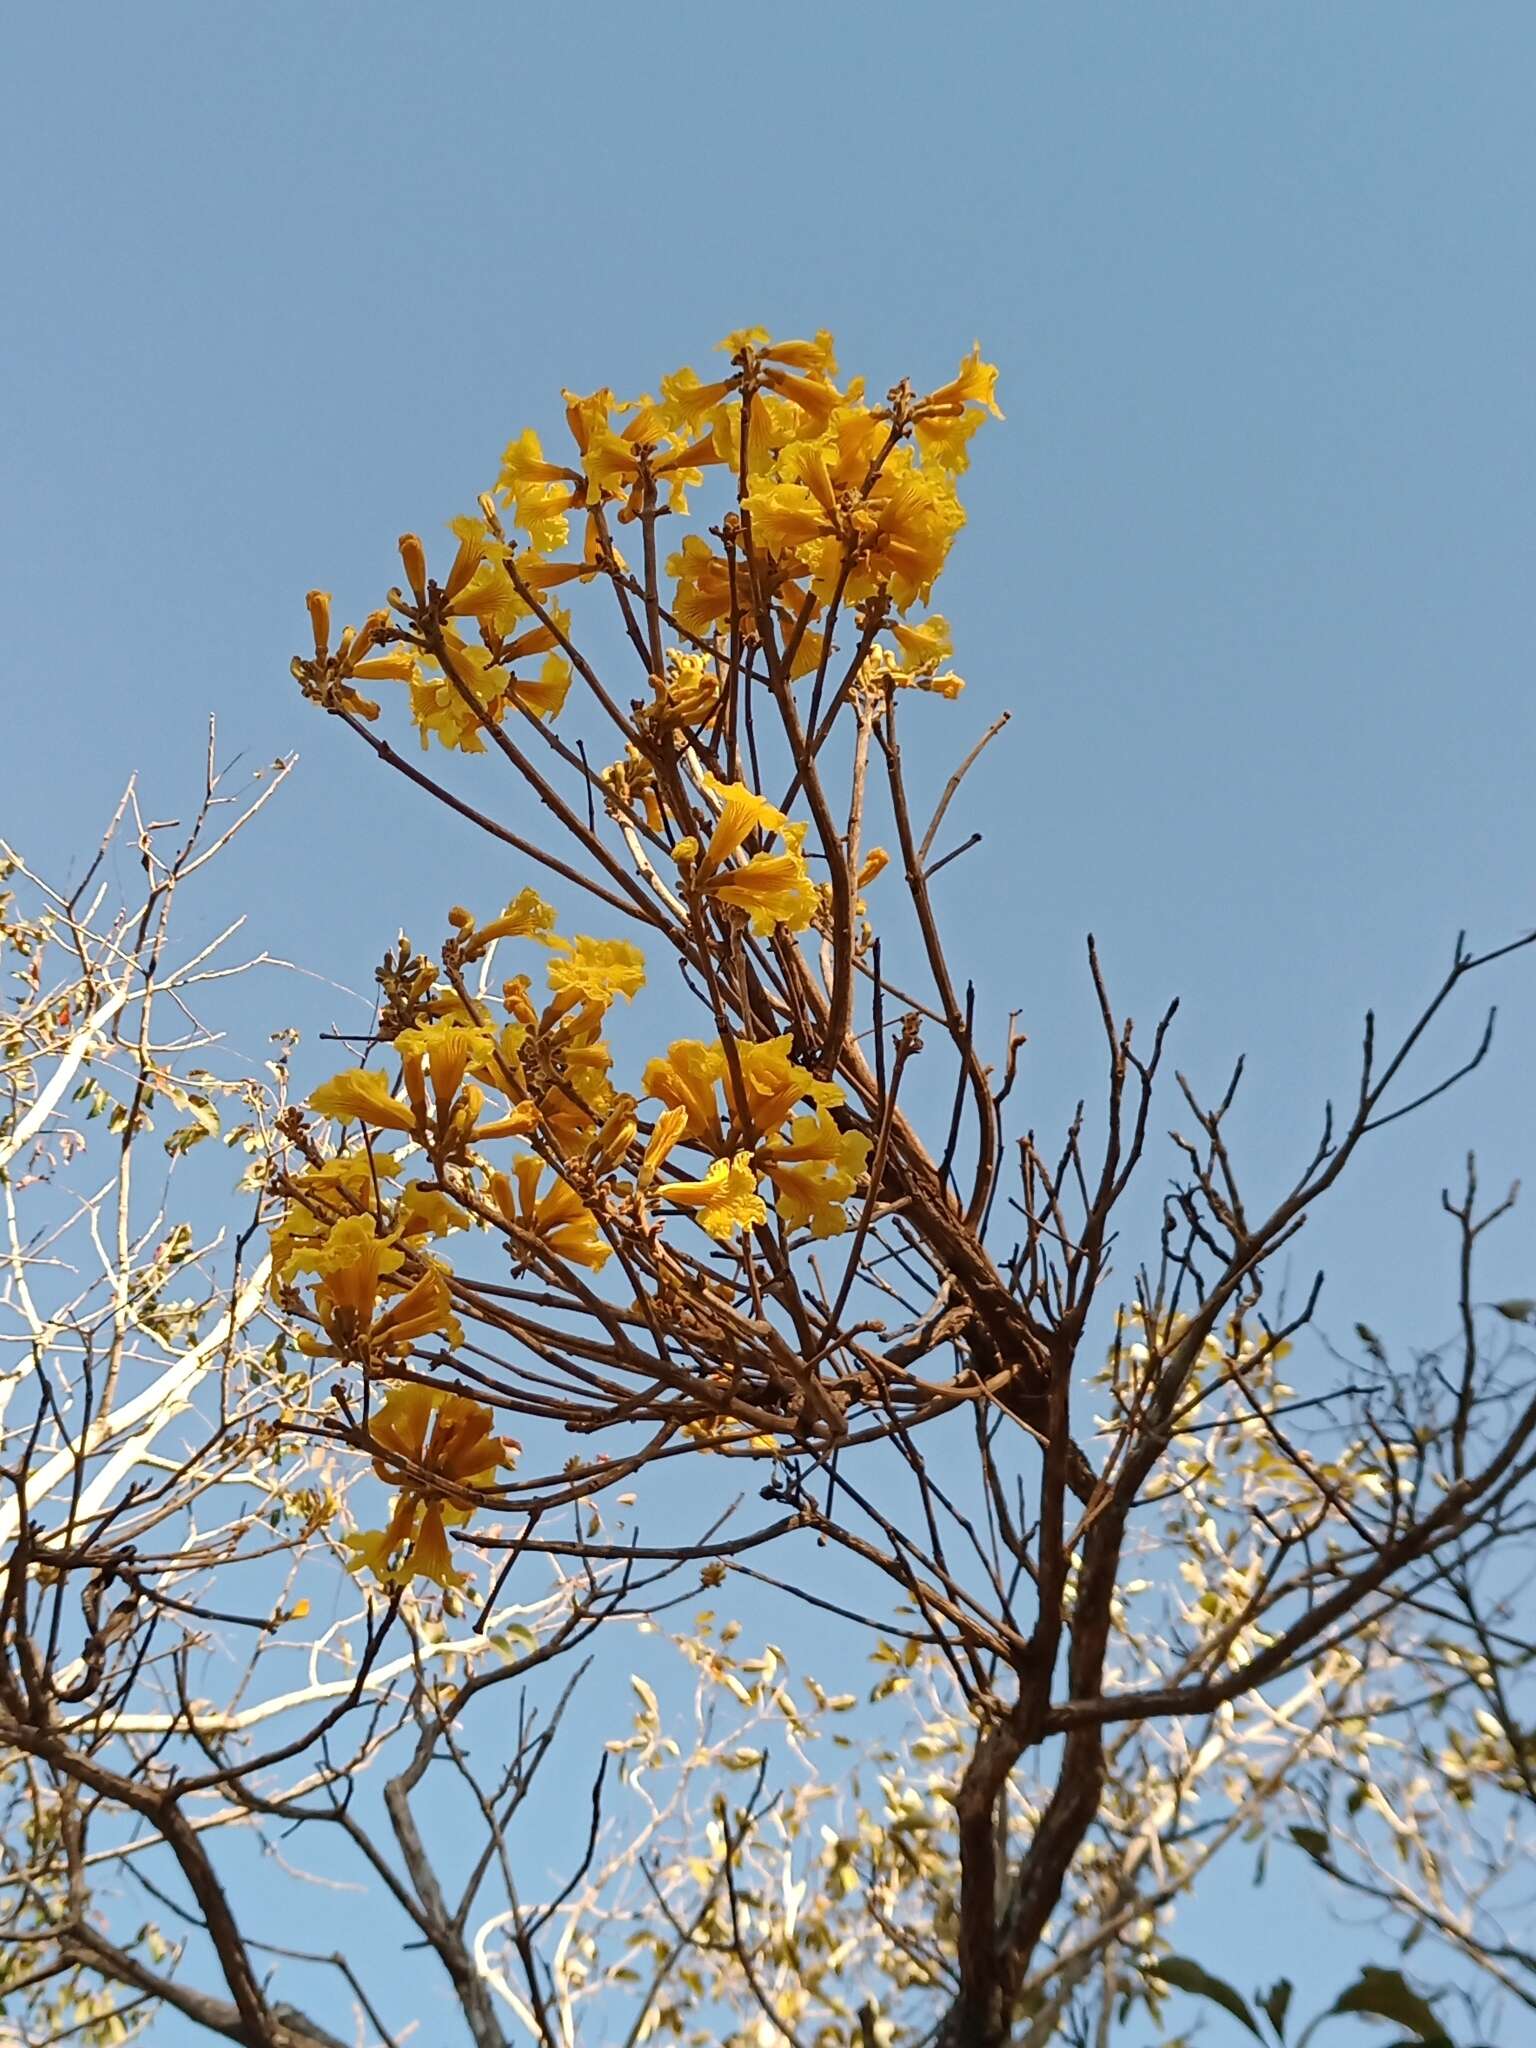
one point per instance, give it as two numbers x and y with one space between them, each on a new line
610 1148
942 426
815 397
722 1432
689 691
520 1121
774 1084
449 1050
773 888
786 516
806 658
445 1435
880 666
819 355
414 561
457 715
685 1080
726 1199
527 916
600 969
343 1186
615 464
588 416
703 579
428 1212
430 1442
815 1172
926 644
546 697
353 1261
975 383
685 401
559 1219
352 1246
773 418
536 640
908 524
742 812
854 438
946 440
741 338
490 596
539 492
403 666
665 1134
360 1094
423 1310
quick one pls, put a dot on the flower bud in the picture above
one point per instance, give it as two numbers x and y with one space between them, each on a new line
413 557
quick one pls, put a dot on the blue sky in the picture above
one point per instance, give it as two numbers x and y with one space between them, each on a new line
1250 558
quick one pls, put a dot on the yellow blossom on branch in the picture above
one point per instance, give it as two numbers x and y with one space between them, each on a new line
433 1445
444 1053
725 1201
685 1079
829 516
665 1135
814 1171
424 1310
353 1262
774 1083
428 1212
539 493
599 968
774 889
558 1218
319 1198
361 1095
527 916
703 580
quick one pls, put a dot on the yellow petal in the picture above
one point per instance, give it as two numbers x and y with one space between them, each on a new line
361 1094
599 968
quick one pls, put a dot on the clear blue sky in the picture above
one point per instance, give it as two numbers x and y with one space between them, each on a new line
1252 557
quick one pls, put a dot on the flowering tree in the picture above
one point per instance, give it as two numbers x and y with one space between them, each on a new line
535 1260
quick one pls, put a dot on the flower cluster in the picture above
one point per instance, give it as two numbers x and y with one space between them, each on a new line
438 1448
840 504
773 637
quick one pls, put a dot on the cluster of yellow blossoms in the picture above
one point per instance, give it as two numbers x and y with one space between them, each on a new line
355 1251
842 515
846 503
439 1449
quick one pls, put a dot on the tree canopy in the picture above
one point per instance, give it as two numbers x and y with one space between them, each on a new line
628 1284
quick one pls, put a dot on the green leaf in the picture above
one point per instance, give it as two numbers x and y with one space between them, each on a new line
1184 1974
1521 1310
1275 2004
1390 1997
1315 1842
184 1138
